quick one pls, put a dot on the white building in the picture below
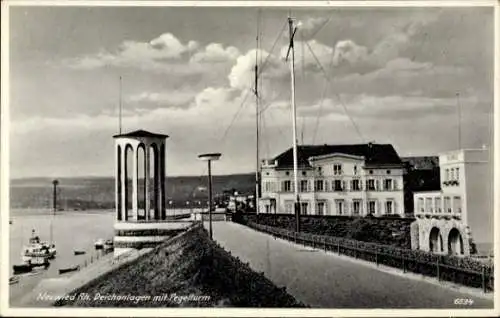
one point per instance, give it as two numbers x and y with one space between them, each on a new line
352 180
462 211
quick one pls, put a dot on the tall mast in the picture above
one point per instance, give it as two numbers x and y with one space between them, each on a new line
257 165
120 109
292 31
459 122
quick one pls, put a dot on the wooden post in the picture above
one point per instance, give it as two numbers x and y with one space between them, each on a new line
376 257
324 243
403 259
483 278
437 269
338 248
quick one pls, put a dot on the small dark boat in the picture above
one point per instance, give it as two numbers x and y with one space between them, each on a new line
10 222
69 269
22 268
99 244
13 280
108 245
79 252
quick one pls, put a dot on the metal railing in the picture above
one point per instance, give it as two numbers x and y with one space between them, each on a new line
481 279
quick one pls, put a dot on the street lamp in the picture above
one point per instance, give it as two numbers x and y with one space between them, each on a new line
54 198
209 157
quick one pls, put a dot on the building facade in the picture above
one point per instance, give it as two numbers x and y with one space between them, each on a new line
461 212
351 180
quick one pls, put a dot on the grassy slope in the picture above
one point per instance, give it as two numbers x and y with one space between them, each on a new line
193 265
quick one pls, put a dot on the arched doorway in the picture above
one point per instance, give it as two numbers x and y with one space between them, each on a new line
455 242
435 241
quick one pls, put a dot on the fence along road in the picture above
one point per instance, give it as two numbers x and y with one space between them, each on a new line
325 280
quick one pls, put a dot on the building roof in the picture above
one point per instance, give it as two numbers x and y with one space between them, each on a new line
376 154
141 133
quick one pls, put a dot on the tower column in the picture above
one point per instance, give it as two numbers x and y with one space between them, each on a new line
162 182
118 166
156 183
147 181
123 181
135 181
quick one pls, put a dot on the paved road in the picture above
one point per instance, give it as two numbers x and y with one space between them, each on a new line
325 280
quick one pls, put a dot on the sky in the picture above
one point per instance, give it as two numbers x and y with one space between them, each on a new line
403 76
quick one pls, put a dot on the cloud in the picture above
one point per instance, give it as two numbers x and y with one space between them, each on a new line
168 99
242 73
310 26
215 53
349 52
164 54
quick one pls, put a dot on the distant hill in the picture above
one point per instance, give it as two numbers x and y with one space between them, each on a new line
99 192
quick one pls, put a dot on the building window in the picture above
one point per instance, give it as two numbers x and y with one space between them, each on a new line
457 204
304 208
428 205
304 173
318 185
447 175
289 207
420 205
371 172
287 186
437 204
389 206
339 205
267 186
268 208
355 170
337 169
371 207
371 184
457 175
388 171
337 185
320 208
388 184
447 204
356 207
303 185
320 171
355 185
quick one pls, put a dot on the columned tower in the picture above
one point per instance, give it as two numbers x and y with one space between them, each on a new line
141 214
148 150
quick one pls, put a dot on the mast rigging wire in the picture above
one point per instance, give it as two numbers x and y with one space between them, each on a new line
336 94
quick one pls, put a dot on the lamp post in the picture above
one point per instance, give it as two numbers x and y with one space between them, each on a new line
54 205
209 157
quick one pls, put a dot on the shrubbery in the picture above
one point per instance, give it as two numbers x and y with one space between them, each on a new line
393 231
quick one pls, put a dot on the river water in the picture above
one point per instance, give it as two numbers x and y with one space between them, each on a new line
72 230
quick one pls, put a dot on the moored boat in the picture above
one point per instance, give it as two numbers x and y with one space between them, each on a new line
108 245
38 248
79 252
21 268
99 244
13 280
69 269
